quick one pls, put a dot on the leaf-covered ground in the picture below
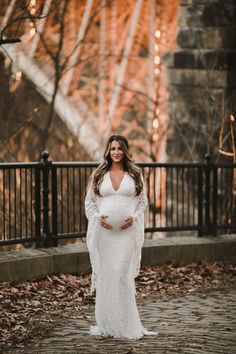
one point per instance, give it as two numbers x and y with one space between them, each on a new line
30 309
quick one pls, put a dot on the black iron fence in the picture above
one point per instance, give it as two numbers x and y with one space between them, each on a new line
43 202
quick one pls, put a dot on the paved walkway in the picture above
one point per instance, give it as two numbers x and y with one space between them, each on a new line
197 323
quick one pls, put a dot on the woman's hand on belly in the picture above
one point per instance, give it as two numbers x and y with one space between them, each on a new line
128 222
104 223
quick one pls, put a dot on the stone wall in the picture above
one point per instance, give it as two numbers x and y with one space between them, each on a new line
201 75
29 264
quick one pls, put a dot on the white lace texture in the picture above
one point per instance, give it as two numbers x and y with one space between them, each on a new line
115 257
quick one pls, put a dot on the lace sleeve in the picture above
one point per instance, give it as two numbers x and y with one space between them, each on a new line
92 214
141 205
90 204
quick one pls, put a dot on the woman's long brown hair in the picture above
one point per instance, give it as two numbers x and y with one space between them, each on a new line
128 165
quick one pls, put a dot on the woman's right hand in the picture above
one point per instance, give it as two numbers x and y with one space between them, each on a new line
104 223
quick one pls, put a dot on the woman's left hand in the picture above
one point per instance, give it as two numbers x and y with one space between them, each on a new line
128 222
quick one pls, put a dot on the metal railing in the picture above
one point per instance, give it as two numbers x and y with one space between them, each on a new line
43 202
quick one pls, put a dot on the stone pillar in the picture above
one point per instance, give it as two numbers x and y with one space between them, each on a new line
201 76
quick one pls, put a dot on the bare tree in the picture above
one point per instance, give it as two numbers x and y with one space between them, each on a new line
58 67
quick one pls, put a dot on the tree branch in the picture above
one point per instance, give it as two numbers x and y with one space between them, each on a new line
9 40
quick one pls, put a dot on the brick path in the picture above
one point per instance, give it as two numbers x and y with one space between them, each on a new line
194 324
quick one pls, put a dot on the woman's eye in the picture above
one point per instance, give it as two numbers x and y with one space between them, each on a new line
113 149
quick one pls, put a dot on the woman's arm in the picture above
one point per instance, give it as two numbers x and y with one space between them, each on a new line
90 204
91 210
142 201
141 205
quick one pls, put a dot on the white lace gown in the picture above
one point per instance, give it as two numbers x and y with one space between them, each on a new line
115 257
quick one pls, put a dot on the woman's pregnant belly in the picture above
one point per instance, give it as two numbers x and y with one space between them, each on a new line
117 209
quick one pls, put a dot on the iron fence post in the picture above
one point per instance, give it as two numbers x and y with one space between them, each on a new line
37 208
54 207
47 240
214 200
200 201
208 229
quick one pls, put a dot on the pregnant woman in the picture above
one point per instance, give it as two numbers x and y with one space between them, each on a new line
115 204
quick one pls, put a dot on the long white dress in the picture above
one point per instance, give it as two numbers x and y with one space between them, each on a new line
115 257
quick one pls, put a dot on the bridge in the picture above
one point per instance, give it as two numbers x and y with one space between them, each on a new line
83 57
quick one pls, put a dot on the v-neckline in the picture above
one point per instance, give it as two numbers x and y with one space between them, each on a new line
116 191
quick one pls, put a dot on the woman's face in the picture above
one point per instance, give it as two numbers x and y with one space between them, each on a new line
116 152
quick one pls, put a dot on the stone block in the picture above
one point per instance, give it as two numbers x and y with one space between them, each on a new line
185 59
206 38
199 78
207 15
189 249
72 262
202 2
201 59
200 95
187 38
30 268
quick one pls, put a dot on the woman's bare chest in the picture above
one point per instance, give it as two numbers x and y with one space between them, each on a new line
116 179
